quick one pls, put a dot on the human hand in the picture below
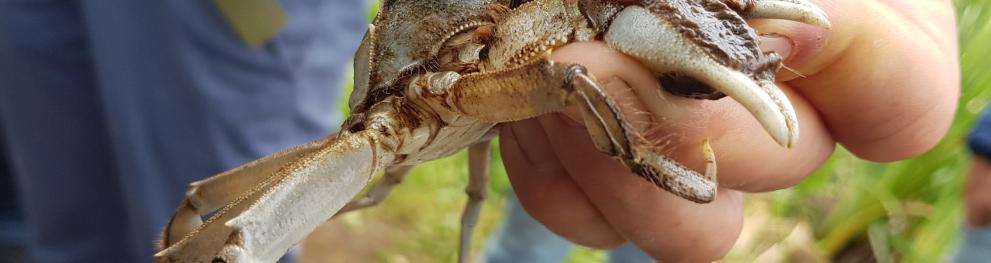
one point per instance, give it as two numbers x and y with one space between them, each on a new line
883 82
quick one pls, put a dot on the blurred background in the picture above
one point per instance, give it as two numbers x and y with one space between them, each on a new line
849 211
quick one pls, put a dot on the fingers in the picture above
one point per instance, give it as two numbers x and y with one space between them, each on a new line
545 190
668 228
886 89
589 198
748 158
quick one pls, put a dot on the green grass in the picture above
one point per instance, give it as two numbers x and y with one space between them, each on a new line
907 211
911 209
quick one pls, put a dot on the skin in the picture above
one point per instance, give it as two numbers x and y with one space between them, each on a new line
883 83
978 193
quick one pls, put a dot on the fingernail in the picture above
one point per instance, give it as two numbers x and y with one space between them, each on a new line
778 43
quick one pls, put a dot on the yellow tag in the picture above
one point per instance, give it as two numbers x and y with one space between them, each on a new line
255 21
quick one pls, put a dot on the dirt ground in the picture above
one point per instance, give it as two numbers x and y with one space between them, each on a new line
335 241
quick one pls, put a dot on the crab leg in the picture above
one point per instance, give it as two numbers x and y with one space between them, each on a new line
602 117
672 52
392 178
262 224
544 86
519 93
208 195
479 158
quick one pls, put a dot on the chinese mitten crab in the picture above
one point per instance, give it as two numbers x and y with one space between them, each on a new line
433 77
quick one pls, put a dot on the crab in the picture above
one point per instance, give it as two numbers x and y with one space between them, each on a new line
433 77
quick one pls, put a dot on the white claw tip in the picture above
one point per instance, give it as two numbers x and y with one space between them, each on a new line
781 136
801 11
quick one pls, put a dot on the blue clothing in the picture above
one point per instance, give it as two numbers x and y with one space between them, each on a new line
11 222
974 246
979 139
11 228
111 108
523 239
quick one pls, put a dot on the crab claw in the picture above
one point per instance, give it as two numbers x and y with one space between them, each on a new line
795 10
787 109
765 101
661 46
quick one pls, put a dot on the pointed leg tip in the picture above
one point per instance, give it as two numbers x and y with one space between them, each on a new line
710 161
792 139
786 139
781 138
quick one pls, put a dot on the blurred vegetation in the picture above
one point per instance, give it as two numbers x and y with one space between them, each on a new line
907 211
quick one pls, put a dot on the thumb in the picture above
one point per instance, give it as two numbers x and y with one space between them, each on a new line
885 78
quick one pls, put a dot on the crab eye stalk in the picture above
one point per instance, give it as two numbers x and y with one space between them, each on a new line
517 3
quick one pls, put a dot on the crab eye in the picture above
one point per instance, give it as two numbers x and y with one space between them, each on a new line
483 54
517 3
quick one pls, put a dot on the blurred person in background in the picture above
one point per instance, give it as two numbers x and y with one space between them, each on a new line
975 242
11 221
110 109
521 238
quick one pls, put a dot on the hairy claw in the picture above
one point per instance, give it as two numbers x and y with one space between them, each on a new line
768 105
